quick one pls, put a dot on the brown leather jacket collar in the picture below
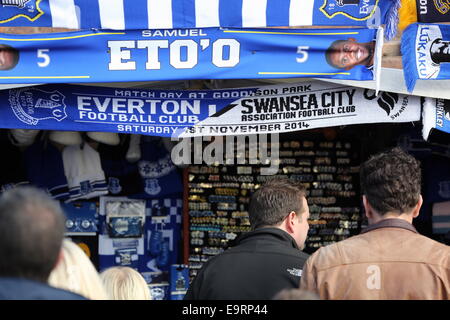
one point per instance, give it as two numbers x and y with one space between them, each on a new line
391 223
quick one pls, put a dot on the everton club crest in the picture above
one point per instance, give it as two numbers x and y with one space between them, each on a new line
353 9
33 105
14 9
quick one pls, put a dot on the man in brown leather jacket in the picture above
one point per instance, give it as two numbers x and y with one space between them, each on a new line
389 259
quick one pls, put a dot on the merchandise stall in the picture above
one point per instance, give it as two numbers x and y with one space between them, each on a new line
109 161
129 204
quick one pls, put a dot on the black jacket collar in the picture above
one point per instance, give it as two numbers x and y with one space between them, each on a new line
391 223
267 232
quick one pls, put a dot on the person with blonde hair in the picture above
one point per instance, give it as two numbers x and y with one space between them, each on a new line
125 283
76 273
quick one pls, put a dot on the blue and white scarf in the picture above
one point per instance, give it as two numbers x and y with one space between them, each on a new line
176 54
426 53
168 14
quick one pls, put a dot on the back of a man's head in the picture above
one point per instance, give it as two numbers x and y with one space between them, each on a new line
31 232
273 201
391 181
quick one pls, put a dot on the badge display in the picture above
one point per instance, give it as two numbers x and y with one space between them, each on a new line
218 211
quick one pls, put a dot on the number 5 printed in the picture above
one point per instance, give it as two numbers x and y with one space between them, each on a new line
303 51
43 54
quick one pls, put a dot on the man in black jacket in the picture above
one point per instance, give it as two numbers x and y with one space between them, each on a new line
265 260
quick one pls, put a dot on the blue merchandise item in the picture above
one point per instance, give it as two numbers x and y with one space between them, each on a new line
425 52
159 291
168 222
81 218
137 55
127 257
119 251
125 217
155 242
162 260
179 281
164 217
137 14
125 227
159 176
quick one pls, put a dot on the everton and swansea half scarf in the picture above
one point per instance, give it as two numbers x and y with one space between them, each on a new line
168 14
173 54
426 53
187 113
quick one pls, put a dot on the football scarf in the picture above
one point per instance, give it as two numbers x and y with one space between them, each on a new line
426 53
173 113
436 118
168 14
178 54
426 11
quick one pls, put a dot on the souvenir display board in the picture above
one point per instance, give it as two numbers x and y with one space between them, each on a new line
218 197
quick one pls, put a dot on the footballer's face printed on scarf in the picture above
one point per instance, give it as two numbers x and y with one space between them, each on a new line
8 57
345 54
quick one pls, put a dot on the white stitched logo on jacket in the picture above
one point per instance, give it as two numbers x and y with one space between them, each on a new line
295 272
374 280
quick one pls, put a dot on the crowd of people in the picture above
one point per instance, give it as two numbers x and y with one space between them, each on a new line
388 260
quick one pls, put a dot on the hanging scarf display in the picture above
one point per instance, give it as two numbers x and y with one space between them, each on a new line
168 14
211 53
170 113
425 11
425 53
436 119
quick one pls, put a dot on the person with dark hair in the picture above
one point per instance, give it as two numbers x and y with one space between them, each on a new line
9 57
32 229
389 260
346 54
266 260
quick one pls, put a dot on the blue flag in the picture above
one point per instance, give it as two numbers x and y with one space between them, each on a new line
168 14
173 54
426 53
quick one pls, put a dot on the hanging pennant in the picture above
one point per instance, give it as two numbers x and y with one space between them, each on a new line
426 53
174 54
168 14
188 113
